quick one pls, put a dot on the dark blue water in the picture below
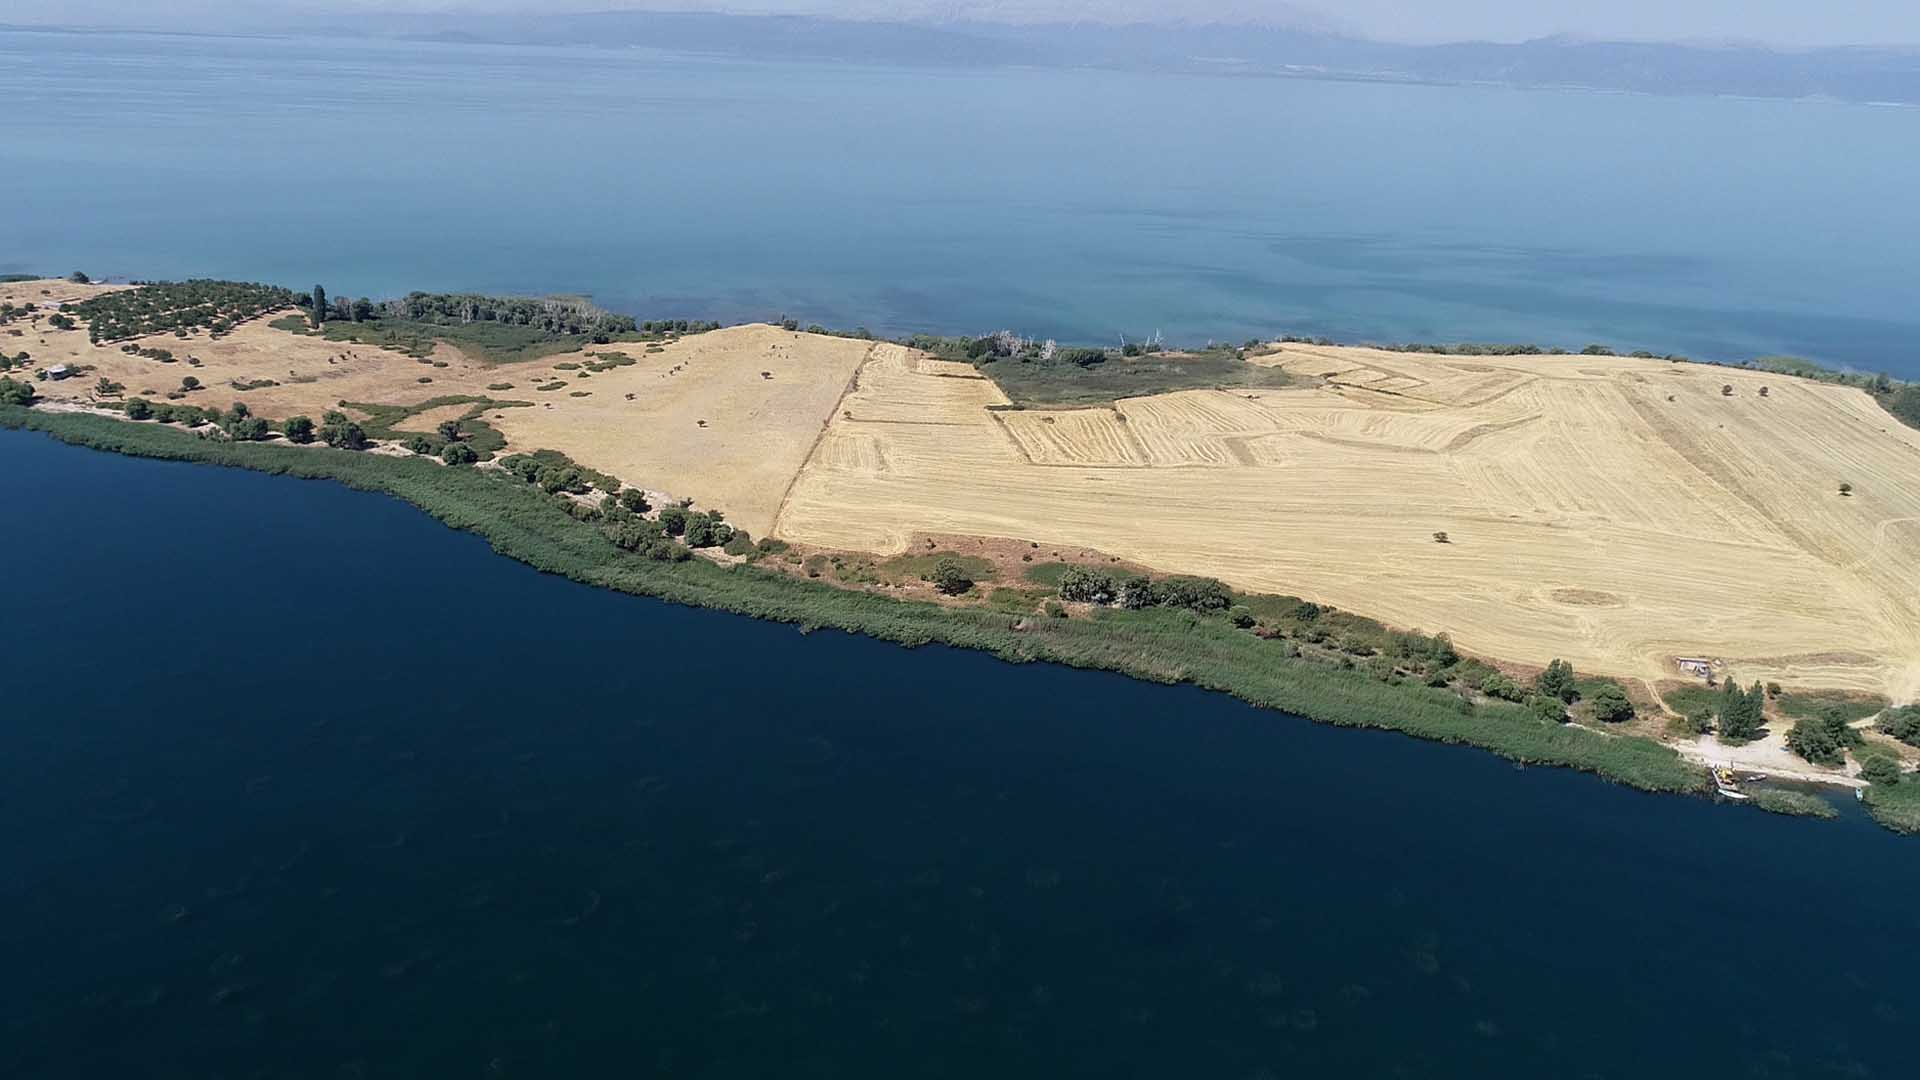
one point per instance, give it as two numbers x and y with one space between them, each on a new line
1072 204
296 782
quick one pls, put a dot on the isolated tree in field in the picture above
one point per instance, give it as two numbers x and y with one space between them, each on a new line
189 383
1846 489
1726 389
1611 705
79 278
298 429
1557 681
950 577
319 311
1441 538
107 387
449 430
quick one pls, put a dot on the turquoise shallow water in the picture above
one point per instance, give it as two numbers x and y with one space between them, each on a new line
1074 204
295 782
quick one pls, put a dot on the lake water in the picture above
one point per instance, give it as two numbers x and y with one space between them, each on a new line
295 782
1074 204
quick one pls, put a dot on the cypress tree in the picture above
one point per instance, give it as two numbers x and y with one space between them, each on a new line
319 306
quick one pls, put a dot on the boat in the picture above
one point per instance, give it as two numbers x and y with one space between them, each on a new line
1725 784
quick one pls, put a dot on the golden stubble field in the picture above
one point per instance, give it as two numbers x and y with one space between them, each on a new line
1615 512
726 418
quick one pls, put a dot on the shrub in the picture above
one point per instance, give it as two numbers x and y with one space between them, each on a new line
1242 618
1547 707
1902 723
298 429
1054 610
1498 685
342 433
635 500
139 409
1087 586
14 392
189 383
1879 769
1193 593
1815 742
418 444
1611 705
458 453
950 577
739 544
674 520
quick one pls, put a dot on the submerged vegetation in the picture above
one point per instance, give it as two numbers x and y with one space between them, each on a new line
1164 643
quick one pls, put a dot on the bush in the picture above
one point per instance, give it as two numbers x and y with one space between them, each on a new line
139 409
418 444
1547 707
1816 741
739 544
1902 723
342 433
950 577
1497 685
1611 705
1242 618
298 429
634 500
1087 586
1193 593
1879 769
458 453
674 520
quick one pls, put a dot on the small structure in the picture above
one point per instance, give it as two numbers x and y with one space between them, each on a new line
59 371
1696 666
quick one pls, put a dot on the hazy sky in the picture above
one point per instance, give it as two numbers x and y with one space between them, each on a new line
1784 22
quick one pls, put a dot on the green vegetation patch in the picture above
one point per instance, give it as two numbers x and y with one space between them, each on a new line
177 307
1792 803
1817 704
555 463
1047 573
1897 806
1037 375
1690 699
607 361
919 567
382 422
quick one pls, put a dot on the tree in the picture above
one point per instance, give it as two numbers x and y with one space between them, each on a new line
1441 538
107 387
1557 681
342 433
138 409
241 425
1726 389
1879 769
319 309
1611 705
298 429
459 454
449 430
79 278
635 500
1741 712
1812 740
1846 489
13 392
189 383
950 577
674 520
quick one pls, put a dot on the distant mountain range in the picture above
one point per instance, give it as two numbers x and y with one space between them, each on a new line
1304 50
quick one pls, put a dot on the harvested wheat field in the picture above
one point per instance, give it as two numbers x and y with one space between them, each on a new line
725 417
1615 512
1612 511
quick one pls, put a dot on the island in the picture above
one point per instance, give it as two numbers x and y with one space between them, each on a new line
1676 574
